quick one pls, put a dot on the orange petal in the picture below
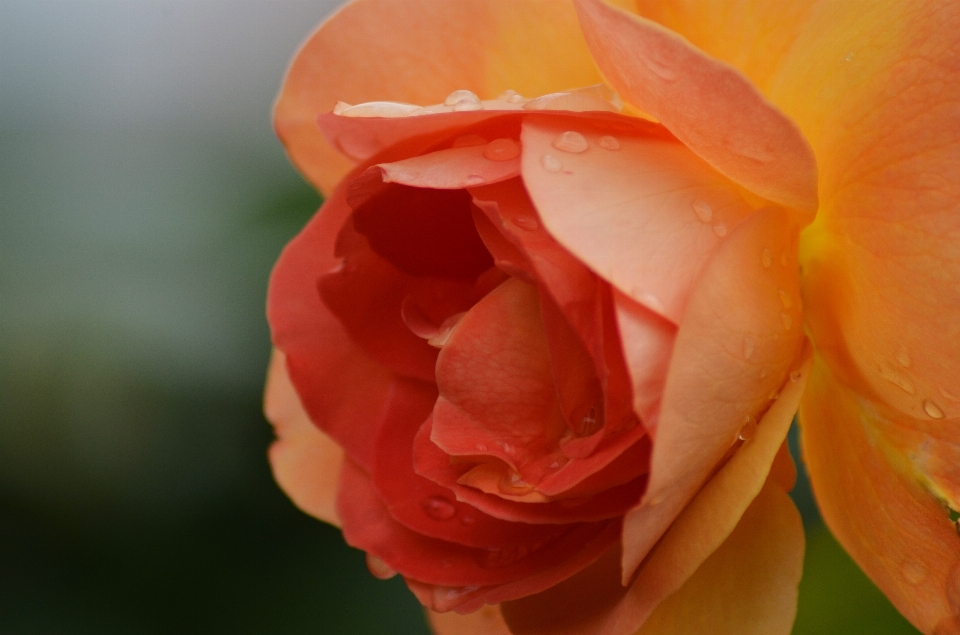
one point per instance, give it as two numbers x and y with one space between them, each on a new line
305 462
746 583
733 352
418 52
456 168
707 104
891 525
612 206
486 621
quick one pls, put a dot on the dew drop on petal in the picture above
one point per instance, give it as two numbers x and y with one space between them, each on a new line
703 211
460 95
903 356
439 508
787 321
785 298
748 346
505 556
608 142
571 141
763 373
720 229
766 258
473 179
748 430
796 375
933 410
502 150
551 163
379 568
466 104
848 57
526 222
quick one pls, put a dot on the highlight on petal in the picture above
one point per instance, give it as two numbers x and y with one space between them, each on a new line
740 338
613 196
362 53
747 584
707 104
305 462
876 504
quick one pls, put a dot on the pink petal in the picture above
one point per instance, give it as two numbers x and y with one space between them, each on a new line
455 168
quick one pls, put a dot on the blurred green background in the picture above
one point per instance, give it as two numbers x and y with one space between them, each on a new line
143 200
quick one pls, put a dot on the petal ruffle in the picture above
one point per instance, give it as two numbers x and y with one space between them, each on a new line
364 51
707 104
305 462
877 506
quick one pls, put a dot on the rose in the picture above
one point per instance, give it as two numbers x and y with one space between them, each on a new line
690 94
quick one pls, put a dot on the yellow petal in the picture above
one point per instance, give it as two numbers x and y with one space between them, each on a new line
419 51
749 585
305 462
877 505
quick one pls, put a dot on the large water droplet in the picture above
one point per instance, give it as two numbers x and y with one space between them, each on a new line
914 571
551 163
785 298
786 320
609 143
748 430
766 258
933 410
439 508
720 229
502 150
504 557
748 347
526 222
379 568
460 95
571 141
903 356
703 211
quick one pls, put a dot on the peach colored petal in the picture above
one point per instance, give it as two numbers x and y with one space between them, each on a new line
708 104
613 207
737 344
747 583
456 168
888 521
418 51
306 462
486 621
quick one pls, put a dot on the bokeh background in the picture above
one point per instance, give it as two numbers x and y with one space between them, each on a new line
143 199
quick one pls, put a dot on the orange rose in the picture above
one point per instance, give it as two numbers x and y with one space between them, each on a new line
523 348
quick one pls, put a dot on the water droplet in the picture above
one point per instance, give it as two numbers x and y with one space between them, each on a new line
785 299
551 163
950 396
460 95
656 499
468 520
482 447
446 598
609 143
748 430
914 571
379 568
763 373
703 211
439 508
933 410
748 346
473 179
787 321
514 485
571 141
766 258
388 109
507 448
526 222
903 356
795 376
510 96
659 69
720 229
848 57
555 465
469 140
497 558
502 150
897 379
466 104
